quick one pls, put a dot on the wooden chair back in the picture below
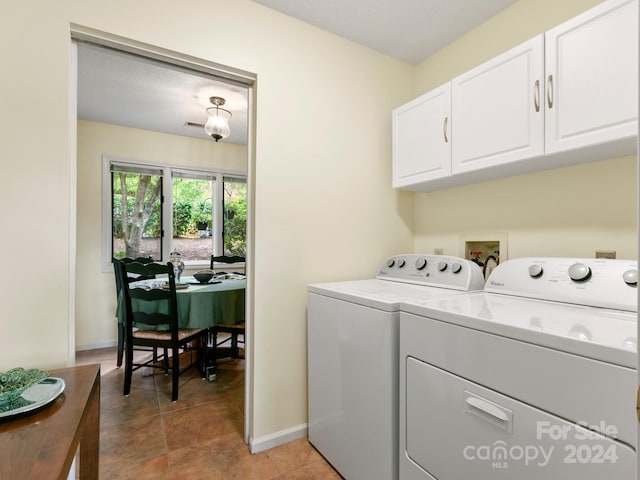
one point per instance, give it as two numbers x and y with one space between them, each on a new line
135 312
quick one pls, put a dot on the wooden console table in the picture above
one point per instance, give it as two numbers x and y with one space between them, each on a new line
43 445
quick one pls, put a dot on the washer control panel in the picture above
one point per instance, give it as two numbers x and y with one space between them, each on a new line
594 282
433 270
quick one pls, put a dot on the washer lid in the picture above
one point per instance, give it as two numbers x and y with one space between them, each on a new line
598 333
380 294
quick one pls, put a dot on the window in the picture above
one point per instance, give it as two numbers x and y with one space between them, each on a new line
154 210
193 215
136 208
234 231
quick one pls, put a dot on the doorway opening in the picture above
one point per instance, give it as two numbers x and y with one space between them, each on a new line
180 73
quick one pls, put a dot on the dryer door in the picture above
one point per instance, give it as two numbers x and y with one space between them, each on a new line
456 429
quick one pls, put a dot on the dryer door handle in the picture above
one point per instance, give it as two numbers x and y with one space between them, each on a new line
491 412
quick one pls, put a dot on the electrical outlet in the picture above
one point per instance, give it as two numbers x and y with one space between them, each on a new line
606 254
438 251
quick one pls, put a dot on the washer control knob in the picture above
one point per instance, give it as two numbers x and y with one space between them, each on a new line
421 263
401 262
535 271
456 268
442 266
391 262
579 272
630 277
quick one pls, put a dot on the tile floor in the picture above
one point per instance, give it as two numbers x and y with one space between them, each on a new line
145 436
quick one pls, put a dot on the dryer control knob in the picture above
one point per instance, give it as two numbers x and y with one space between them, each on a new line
579 272
456 268
630 277
442 266
421 263
391 262
401 263
535 271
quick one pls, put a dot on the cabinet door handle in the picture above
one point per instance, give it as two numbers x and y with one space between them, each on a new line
550 91
444 128
536 95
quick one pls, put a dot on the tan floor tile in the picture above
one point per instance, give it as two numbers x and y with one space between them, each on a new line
155 468
138 439
319 470
225 458
146 436
201 423
293 455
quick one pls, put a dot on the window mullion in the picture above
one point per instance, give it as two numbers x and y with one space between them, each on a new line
167 214
218 216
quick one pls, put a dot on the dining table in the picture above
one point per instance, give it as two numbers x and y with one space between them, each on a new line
200 305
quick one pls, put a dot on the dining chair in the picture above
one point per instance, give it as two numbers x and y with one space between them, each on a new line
130 278
236 330
156 325
229 260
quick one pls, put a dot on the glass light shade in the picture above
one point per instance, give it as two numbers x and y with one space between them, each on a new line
217 125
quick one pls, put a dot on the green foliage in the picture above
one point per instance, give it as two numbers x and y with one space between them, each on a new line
182 212
191 206
235 221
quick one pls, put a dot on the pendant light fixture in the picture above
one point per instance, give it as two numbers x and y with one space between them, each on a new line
217 125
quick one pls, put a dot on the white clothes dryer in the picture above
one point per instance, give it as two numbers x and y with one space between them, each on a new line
353 368
533 378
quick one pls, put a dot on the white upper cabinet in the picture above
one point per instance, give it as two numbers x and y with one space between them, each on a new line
422 138
591 67
565 97
496 109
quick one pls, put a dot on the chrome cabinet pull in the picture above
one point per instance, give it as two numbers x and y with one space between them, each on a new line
536 95
444 128
550 91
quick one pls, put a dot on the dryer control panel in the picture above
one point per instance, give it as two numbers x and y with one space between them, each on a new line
433 271
585 281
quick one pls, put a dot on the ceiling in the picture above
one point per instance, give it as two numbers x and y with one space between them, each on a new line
410 30
128 90
124 89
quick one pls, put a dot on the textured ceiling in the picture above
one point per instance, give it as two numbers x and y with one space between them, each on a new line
124 89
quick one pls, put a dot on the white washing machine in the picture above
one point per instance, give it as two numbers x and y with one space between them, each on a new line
353 366
534 378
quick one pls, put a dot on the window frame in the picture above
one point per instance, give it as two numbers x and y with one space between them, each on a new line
217 176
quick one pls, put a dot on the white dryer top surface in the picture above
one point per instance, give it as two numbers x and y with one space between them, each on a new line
598 333
380 294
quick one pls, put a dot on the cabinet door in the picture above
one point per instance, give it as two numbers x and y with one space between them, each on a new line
422 138
592 77
497 111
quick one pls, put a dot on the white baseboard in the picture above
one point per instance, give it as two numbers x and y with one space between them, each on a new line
257 445
96 346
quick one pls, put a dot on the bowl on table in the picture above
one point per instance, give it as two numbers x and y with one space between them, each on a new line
203 276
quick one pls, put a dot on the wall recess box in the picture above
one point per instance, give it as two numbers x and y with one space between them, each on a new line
480 245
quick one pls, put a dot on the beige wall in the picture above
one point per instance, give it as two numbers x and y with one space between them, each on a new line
322 171
565 212
95 289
